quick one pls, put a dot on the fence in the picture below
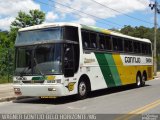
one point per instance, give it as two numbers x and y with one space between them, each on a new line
6 65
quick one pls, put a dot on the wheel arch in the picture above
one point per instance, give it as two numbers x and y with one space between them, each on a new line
145 74
139 73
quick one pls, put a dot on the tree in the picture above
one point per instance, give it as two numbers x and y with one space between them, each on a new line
23 19
7 39
6 57
34 17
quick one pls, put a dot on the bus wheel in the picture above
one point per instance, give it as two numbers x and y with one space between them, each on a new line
82 90
138 80
144 78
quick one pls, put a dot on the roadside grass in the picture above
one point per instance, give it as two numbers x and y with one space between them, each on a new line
4 79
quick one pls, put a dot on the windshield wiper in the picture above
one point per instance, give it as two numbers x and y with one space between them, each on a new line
24 71
35 60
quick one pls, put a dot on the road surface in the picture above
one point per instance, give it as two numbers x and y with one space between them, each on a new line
121 100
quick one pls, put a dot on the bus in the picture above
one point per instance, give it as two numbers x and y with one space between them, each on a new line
61 59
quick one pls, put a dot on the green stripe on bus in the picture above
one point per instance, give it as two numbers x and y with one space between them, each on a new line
113 69
105 69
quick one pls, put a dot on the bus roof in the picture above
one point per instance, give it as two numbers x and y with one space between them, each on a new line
48 25
105 31
92 28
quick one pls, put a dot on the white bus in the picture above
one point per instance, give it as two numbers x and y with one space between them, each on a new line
61 59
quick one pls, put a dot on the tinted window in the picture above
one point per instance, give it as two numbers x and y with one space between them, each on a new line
108 42
137 47
85 39
117 44
128 47
149 50
70 33
144 48
102 42
93 40
32 36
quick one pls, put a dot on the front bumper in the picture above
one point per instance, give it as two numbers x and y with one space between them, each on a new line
38 90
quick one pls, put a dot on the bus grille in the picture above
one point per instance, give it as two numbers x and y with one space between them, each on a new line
33 81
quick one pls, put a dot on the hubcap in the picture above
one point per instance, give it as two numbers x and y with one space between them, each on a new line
82 89
138 81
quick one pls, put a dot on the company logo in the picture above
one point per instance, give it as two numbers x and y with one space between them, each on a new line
86 60
132 60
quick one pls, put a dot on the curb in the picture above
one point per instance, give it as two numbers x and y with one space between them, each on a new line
156 76
12 98
7 99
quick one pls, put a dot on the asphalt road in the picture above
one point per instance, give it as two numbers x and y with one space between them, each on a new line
121 100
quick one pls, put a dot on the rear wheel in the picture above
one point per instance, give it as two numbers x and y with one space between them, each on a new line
144 78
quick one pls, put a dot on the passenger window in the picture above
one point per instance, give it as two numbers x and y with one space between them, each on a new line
137 47
102 42
108 42
128 45
85 39
149 50
93 40
117 44
144 48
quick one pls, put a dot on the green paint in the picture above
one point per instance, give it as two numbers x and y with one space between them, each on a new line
109 69
96 29
105 69
113 68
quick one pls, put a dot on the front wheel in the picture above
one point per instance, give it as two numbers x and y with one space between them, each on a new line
82 90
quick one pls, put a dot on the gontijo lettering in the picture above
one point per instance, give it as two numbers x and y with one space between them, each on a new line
132 60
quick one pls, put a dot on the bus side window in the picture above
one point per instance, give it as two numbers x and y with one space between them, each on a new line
102 42
149 51
108 42
137 47
93 40
145 48
128 45
117 44
85 39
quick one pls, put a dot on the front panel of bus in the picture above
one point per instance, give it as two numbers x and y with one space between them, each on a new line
45 59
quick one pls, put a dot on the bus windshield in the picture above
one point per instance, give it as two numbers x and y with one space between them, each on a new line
33 36
39 59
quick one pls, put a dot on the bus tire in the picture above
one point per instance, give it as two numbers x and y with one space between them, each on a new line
144 78
82 90
138 80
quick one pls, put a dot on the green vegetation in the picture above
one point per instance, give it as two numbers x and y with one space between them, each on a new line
7 39
35 17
